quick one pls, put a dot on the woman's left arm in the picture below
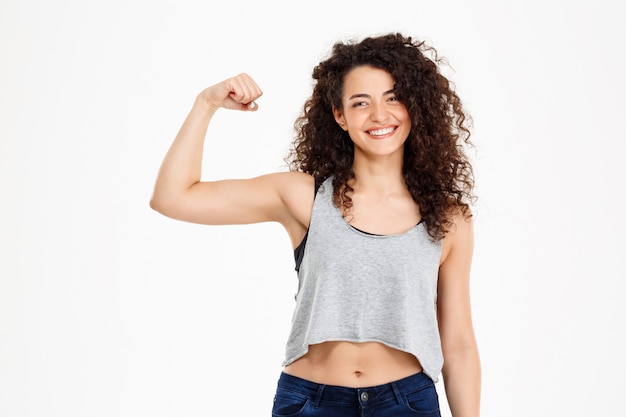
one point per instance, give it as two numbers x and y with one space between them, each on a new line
461 369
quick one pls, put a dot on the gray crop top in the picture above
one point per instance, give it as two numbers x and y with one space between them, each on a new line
359 287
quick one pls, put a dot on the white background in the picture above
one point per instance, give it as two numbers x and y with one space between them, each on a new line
110 309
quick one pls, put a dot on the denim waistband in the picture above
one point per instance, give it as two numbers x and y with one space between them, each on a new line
354 396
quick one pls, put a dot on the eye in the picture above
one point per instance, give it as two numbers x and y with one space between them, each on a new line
359 104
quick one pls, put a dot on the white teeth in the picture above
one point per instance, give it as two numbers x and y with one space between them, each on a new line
380 132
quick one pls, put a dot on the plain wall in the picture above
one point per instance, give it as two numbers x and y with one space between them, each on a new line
108 308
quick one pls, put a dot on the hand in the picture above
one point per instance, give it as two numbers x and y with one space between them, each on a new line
236 93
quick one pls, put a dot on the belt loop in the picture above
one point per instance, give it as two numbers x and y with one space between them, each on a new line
396 392
318 396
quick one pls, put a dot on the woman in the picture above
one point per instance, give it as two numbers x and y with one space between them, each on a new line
376 204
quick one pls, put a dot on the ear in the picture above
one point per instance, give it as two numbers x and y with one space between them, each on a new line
339 118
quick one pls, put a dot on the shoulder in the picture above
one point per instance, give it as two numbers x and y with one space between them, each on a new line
291 187
297 191
293 184
459 239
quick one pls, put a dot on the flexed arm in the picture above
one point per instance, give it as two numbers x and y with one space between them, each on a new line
179 193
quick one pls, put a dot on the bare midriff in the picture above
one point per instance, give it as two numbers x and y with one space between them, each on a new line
354 365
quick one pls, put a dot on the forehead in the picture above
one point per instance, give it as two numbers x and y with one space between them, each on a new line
367 80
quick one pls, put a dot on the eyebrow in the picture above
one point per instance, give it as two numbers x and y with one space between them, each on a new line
363 95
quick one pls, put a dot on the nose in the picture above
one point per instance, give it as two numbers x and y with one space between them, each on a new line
378 112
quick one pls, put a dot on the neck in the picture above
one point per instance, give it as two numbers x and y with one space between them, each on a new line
382 175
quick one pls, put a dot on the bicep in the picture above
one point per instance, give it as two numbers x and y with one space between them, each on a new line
238 201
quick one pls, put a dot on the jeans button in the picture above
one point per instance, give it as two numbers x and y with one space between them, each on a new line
364 396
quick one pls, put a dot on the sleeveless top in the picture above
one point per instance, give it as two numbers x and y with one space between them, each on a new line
359 287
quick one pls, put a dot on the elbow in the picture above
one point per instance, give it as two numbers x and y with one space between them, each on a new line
176 204
465 342
168 205
154 203
158 204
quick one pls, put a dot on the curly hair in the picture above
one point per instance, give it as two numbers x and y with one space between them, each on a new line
436 169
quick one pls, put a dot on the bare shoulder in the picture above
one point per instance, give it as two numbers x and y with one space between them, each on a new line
292 184
297 191
459 239
296 181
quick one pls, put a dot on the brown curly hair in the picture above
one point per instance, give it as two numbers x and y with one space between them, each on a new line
437 171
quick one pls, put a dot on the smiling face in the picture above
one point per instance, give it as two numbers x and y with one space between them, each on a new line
377 122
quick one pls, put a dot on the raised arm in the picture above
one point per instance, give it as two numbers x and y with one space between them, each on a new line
461 369
179 193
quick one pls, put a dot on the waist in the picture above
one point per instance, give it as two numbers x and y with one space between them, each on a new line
353 365
355 396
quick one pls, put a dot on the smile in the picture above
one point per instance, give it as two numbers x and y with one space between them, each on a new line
381 132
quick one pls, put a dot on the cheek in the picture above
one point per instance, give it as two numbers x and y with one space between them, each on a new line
406 120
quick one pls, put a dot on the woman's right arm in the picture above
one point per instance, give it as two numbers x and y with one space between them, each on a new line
179 193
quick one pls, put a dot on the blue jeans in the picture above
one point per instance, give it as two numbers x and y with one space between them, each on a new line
412 396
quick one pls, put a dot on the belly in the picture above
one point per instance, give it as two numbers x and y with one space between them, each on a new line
354 365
